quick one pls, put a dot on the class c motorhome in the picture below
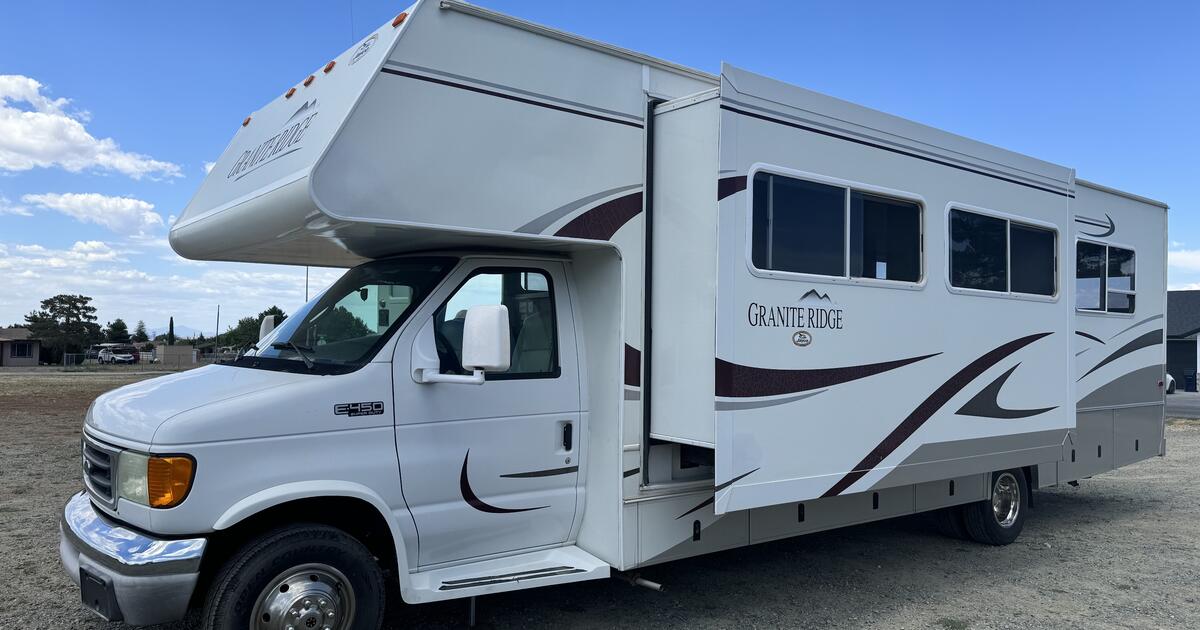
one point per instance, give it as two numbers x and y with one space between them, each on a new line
603 312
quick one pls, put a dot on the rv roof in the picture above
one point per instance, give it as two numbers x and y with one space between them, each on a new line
1120 193
625 53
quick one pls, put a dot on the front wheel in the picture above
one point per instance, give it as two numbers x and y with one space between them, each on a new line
999 520
299 577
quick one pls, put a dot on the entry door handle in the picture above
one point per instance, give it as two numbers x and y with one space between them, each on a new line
568 435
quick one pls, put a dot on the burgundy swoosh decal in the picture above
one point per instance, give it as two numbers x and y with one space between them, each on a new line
740 381
927 408
729 185
633 366
468 495
602 221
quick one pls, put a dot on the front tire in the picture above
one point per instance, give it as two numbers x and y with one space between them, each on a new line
999 519
299 576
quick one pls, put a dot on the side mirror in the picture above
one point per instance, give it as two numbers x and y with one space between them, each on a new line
485 339
265 328
485 348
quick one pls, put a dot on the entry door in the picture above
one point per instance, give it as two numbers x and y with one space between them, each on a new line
492 468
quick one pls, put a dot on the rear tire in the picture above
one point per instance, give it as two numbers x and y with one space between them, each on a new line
949 521
999 519
305 576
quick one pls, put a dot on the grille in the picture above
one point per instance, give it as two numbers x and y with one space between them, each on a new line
99 468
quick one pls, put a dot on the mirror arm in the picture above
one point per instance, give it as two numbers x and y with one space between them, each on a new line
434 375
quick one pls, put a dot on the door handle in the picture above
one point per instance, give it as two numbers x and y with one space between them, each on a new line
568 437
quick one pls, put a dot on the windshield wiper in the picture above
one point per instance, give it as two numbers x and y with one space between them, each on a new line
301 351
244 349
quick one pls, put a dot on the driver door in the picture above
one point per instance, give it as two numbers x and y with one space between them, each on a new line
493 468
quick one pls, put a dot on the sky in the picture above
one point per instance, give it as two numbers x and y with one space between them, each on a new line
110 112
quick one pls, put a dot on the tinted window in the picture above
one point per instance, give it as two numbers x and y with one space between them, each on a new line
885 238
530 300
1032 251
1089 276
805 226
1120 269
978 247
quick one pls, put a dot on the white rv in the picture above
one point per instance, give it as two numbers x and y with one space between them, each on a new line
603 312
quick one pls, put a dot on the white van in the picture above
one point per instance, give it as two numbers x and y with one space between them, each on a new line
603 312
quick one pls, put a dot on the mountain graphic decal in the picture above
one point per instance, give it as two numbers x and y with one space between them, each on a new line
815 295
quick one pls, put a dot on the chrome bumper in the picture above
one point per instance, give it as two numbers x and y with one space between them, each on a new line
124 574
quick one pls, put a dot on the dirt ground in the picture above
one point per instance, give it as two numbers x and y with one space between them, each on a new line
1120 551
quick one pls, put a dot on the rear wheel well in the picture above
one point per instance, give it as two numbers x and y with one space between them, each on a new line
356 517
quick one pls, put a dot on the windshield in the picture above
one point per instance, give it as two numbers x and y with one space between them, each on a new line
342 329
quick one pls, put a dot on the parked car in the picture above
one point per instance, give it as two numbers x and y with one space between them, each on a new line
1170 384
116 355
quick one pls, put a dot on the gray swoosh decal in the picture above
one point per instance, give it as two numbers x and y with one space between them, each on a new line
737 405
1108 225
1152 338
986 403
539 225
1125 330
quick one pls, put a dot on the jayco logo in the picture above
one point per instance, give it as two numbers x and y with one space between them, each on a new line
286 141
813 311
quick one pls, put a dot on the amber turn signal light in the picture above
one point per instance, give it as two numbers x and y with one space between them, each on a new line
400 19
168 480
329 66
289 93
246 122
309 80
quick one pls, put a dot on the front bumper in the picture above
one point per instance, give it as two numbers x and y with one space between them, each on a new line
124 574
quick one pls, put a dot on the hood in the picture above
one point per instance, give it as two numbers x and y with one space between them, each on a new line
135 412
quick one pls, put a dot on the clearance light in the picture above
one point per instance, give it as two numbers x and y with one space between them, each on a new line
289 93
246 122
309 80
329 66
399 19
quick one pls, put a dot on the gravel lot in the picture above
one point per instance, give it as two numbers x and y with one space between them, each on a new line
1119 551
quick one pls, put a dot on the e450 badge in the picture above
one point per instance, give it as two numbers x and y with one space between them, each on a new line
358 409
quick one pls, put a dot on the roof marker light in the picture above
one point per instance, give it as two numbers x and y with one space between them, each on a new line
246 122
309 80
329 66
399 19
290 93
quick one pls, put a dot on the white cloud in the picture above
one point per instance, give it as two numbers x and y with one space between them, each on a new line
1184 259
8 207
1190 286
124 215
120 288
44 134
208 166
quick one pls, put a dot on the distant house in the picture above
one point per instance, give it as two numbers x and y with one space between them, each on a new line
18 348
1183 325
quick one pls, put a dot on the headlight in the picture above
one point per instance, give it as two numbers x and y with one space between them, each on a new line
156 481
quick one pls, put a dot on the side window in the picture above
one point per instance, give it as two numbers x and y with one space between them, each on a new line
1104 278
801 226
993 254
529 296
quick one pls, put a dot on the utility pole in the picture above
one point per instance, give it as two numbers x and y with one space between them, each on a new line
217 337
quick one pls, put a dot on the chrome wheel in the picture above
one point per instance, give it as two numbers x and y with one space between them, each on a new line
308 597
1006 499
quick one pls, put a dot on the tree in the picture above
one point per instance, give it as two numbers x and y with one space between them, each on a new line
139 333
171 332
65 323
117 331
245 332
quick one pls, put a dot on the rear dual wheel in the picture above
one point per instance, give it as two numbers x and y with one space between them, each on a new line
997 520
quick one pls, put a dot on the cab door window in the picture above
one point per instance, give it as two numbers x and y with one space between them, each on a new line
529 296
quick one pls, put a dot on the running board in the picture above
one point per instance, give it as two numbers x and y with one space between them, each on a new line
528 570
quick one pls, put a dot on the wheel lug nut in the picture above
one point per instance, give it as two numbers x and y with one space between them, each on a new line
322 603
295 613
307 604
